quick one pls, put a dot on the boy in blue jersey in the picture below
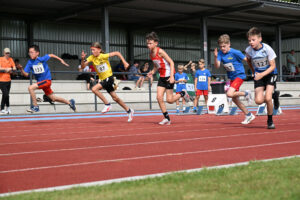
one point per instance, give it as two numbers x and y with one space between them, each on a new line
261 59
180 79
39 67
232 62
202 83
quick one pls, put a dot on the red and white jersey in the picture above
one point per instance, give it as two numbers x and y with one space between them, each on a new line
162 65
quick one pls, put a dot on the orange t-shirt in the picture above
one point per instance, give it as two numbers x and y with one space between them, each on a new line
6 63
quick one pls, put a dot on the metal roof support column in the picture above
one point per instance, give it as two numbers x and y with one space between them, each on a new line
278 51
105 29
29 34
130 46
203 31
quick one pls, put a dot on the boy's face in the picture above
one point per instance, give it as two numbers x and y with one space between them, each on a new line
33 54
224 47
254 41
180 69
151 44
95 51
201 65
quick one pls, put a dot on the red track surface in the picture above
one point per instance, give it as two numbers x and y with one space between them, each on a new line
39 154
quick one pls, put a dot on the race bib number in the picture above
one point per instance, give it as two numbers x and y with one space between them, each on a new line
202 78
38 69
229 67
102 68
261 62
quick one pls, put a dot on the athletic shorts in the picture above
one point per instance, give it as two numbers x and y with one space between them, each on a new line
108 84
163 82
236 83
269 79
45 85
202 92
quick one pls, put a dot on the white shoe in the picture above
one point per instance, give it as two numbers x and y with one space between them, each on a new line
249 97
8 110
165 122
106 109
130 115
3 112
248 119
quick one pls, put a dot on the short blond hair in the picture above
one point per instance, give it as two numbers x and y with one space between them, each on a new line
180 66
224 39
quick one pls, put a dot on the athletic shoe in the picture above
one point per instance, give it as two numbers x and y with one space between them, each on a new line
249 97
276 99
33 109
130 115
165 122
8 110
271 125
106 108
72 105
194 111
186 96
248 119
177 111
3 112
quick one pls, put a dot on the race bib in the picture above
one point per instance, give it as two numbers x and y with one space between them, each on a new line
229 67
261 62
102 68
38 69
202 78
181 80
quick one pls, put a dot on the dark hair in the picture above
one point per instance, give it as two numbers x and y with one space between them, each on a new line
97 45
254 31
152 36
35 47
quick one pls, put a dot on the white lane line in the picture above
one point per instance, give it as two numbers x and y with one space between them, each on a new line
136 178
126 135
145 143
147 157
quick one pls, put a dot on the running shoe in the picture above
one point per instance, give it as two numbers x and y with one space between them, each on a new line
3 112
72 105
106 108
248 119
33 109
130 115
271 125
165 122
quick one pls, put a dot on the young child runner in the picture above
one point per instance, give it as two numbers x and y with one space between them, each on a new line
202 83
261 59
180 79
39 67
100 61
232 61
165 65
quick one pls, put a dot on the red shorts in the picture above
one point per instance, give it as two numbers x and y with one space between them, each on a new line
236 83
45 86
202 92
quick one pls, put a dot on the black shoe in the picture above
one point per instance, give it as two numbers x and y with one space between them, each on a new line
276 99
271 125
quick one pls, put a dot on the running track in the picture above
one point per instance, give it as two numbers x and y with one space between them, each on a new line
54 150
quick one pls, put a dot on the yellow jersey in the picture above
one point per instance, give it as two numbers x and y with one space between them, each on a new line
101 65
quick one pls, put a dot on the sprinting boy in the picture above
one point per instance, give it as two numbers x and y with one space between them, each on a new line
181 79
232 62
39 68
202 83
261 59
100 61
165 65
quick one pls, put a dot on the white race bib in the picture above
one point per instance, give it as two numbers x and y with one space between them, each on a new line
38 69
229 67
261 62
102 68
202 78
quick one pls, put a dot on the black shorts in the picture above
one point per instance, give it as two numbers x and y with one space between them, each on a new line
270 79
163 82
108 84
